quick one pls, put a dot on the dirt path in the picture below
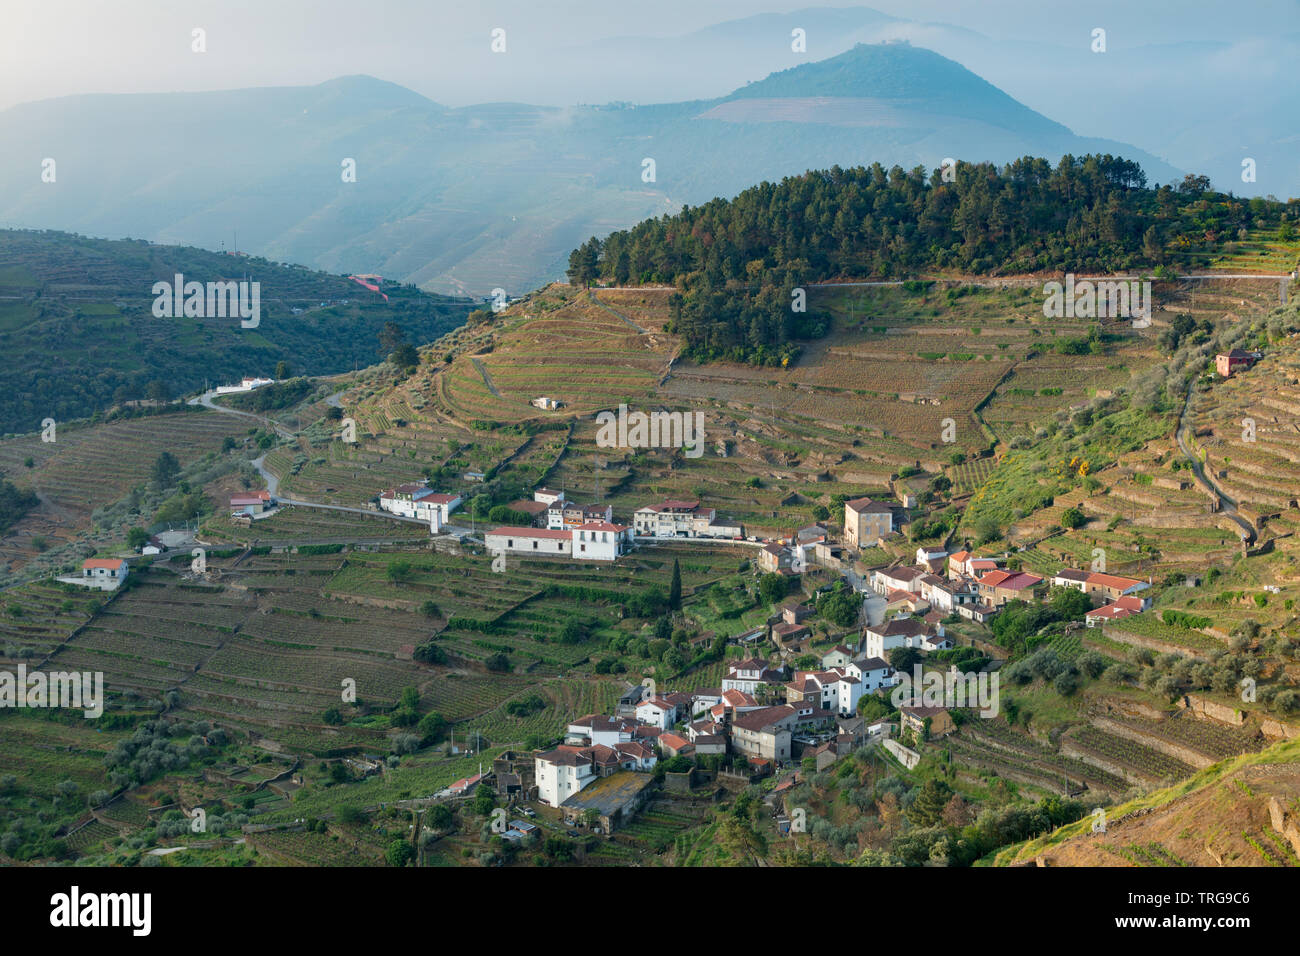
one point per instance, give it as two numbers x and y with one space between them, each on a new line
487 379
617 314
1227 504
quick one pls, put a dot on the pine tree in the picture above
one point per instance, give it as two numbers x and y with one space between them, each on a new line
675 589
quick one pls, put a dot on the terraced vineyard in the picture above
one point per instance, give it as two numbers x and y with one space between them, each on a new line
303 524
263 640
308 848
1212 740
87 468
1137 762
991 746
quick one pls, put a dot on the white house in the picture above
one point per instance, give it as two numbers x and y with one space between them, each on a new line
562 773
947 594
104 574
657 712
837 656
419 501
595 541
932 558
873 672
898 578
902 632
1070 578
601 541
748 675
704 700
246 385
596 729
547 496
834 689
532 541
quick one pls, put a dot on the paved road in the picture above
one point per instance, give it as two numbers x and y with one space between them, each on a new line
1227 505
206 401
273 483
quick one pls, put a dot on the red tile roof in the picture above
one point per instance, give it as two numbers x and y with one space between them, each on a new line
602 526
553 534
1113 581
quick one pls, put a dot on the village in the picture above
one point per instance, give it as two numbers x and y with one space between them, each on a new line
784 708
787 706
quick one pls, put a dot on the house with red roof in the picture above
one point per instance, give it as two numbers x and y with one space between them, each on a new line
1102 587
418 500
670 745
998 587
593 541
103 574
963 564
251 502
1235 360
1116 610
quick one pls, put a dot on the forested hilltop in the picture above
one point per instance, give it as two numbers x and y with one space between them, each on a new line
737 261
78 329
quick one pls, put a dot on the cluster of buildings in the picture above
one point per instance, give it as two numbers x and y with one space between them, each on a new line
1114 597
759 713
588 532
682 519
550 509
921 595
562 529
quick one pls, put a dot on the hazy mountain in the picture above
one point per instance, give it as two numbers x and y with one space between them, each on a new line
1203 104
495 195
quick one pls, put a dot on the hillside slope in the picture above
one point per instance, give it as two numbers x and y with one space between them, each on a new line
79 333
1241 812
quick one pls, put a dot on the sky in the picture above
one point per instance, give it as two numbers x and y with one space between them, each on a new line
51 48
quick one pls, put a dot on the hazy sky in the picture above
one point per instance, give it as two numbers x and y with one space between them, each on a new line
56 47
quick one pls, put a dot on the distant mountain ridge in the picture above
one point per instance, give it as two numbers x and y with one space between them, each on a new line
465 200
914 76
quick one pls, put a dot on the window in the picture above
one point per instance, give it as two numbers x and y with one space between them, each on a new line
534 545
510 542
